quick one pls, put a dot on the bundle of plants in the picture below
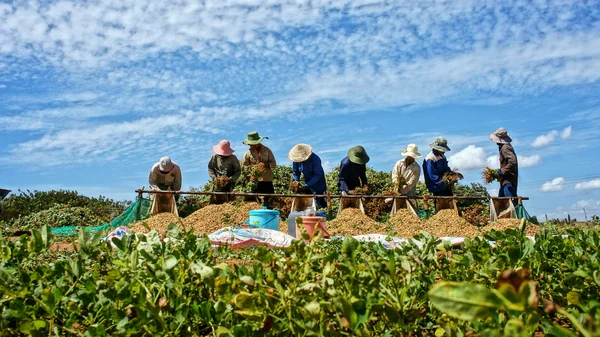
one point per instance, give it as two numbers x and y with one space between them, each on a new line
295 186
400 183
377 208
361 190
490 175
221 182
451 178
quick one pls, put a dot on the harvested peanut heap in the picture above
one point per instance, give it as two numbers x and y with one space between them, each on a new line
447 223
504 224
159 222
406 224
352 221
214 217
283 226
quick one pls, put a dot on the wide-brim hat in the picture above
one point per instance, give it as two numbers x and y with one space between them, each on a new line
440 144
358 155
500 136
223 148
253 138
300 153
165 164
412 150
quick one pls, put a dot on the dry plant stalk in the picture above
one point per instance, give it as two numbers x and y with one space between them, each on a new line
451 178
490 175
294 186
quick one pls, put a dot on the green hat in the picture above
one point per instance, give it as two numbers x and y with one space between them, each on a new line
440 144
358 155
253 138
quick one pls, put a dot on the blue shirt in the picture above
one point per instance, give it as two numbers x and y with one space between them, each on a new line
314 176
351 175
434 167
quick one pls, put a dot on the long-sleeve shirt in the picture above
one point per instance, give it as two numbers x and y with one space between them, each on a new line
351 175
509 165
410 173
228 166
264 155
434 167
162 181
314 176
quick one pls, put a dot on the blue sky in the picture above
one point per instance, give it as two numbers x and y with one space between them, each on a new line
94 92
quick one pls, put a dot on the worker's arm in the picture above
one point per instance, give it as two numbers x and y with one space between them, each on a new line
411 177
237 169
342 185
211 167
296 171
436 180
152 180
246 159
511 157
177 181
317 172
272 163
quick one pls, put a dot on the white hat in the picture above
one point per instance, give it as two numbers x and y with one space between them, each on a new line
165 164
412 150
300 153
500 136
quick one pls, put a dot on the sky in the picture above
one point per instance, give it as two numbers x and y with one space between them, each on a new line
93 93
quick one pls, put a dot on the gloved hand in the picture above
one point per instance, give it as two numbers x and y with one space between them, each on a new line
344 193
500 174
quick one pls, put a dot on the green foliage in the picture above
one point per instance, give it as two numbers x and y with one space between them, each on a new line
282 177
26 202
473 190
57 216
147 286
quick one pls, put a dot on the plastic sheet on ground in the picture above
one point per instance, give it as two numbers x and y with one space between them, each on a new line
118 233
248 238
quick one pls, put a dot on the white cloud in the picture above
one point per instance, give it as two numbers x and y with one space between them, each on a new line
493 161
529 161
470 158
588 185
2 86
566 134
555 185
589 204
545 140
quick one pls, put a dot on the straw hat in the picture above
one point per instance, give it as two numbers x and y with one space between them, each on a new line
253 138
412 150
165 164
300 153
358 155
500 136
223 148
440 144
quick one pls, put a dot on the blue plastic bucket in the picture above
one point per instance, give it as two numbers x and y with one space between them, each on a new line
264 218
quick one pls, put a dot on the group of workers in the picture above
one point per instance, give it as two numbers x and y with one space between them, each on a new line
166 174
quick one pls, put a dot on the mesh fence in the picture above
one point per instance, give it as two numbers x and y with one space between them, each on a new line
137 211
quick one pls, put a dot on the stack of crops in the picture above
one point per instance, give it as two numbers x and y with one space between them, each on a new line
159 222
504 224
406 224
352 221
447 223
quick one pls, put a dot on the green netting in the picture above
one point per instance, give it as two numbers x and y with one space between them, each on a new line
522 213
425 213
138 211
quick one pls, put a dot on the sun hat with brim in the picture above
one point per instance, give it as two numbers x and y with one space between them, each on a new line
500 136
440 144
358 155
253 138
223 148
412 150
300 153
165 164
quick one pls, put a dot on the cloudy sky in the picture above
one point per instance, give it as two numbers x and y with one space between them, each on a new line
93 92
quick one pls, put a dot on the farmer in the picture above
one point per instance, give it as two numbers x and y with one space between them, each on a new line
406 172
165 175
353 170
224 163
307 163
509 165
435 166
257 154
